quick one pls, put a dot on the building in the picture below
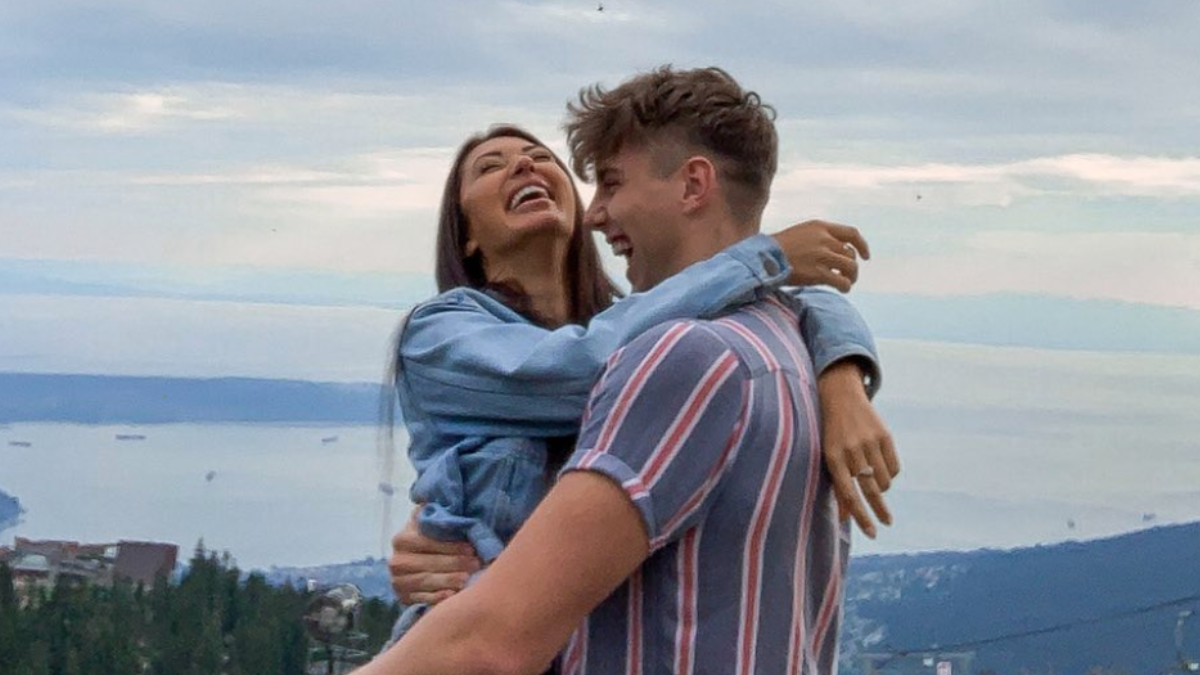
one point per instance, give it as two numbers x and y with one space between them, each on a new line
42 564
144 562
917 663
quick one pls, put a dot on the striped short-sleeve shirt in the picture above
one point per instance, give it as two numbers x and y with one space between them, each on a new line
711 429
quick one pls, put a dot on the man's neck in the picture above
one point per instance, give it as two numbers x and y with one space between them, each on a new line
707 238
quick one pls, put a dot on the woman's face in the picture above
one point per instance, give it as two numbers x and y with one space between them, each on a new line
514 192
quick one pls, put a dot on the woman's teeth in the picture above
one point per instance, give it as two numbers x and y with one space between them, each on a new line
526 193
621 247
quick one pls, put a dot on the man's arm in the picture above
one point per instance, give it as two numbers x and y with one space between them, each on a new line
580 544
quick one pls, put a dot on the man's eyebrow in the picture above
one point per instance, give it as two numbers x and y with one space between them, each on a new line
605 172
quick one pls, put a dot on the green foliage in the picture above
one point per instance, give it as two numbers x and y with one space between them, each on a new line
213 621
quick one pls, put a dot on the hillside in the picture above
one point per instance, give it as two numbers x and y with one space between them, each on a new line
912 602
104 399
897 603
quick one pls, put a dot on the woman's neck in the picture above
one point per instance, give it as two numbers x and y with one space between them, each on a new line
541 275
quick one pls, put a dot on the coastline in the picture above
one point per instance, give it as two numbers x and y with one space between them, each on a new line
10 511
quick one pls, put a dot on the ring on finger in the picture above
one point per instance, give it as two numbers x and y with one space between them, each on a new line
865 472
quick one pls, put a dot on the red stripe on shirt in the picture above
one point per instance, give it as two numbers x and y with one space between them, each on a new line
633 658
693 502
829 605
576 654
763 510
799 361
800 588
685 633
632 387
689 414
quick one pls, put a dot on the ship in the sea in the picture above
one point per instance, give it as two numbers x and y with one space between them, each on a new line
131 437
330 439
20 444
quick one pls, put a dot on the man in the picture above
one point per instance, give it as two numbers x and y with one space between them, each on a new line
693 530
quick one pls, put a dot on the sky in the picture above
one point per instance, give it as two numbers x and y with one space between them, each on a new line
1044 148
228 188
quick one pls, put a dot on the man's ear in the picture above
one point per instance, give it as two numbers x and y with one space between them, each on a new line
699 183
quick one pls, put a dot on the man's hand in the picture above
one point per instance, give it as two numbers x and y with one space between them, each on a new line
823 253
857 447
428 571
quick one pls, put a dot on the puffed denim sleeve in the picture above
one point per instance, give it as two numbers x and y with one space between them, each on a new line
833 330
473 365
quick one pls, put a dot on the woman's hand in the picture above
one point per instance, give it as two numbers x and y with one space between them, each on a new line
857 447
823 253
425 570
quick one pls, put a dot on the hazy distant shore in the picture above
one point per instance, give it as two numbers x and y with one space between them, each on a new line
108 399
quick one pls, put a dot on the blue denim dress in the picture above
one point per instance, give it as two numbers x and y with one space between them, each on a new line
481 389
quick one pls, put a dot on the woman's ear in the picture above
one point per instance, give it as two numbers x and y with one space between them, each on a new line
471 248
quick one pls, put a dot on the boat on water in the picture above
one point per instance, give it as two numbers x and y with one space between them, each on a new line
20 444
330 439
131 437
387 489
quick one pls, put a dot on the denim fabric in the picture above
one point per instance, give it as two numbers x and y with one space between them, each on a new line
480 388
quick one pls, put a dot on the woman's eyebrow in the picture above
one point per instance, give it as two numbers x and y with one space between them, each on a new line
493 153
497 153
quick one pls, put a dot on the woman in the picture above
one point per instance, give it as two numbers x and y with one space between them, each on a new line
493 374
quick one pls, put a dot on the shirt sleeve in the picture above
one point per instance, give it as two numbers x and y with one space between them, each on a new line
833 330
665 422
472 363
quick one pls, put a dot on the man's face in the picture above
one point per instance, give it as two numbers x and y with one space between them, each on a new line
638 213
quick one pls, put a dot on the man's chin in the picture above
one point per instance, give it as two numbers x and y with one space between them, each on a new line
637 282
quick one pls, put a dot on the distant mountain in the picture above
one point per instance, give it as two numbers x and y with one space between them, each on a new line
101 399
369 574
1094 588
10 510
1047 322
898 603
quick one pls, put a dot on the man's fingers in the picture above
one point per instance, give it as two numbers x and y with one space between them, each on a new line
427 598
413 542
402 564
430 582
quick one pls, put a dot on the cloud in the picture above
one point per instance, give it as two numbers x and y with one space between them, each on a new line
999 184
1150 268
130 113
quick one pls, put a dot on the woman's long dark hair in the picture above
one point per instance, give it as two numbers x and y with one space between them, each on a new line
589 289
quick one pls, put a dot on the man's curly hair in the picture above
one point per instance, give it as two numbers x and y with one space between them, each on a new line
677 114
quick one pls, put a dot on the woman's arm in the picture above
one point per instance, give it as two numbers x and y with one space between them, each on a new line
469 361
855 443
